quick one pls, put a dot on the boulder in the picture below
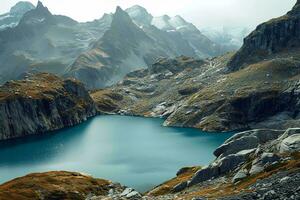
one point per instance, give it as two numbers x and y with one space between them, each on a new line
234 146
246 140
290 144
255 169
179 187
241 174
220 167
267 158
204 175
259 164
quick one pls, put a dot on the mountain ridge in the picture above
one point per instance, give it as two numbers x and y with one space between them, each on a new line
269 38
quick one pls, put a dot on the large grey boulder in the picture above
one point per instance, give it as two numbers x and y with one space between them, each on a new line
246 140
290 144
266 159
221 167
204 175
241 174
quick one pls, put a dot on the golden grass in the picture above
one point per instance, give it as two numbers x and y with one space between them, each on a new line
70 185
167 187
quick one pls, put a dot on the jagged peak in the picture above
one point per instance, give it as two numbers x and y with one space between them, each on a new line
40 6
119 10
21 7
166 17
40 14
121 15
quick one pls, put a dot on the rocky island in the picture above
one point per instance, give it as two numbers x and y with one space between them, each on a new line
41 103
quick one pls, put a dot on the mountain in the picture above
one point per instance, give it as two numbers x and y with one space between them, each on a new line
96 52
112 56
45 42
201 46
256 89
124 47
139 15
262 92
12 18
269 39
227 36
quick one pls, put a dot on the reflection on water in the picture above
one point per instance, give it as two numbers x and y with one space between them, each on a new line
138 152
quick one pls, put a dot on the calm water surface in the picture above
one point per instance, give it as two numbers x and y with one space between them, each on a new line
137 152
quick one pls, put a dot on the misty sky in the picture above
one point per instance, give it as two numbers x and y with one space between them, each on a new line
202 13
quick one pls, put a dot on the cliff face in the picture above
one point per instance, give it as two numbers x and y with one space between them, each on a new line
274 36
42 103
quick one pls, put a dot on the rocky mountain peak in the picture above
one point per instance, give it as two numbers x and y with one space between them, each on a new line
120 14
21 8
41 8
120 18
140 15
39 15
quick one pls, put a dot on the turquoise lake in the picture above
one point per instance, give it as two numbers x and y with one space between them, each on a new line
137 152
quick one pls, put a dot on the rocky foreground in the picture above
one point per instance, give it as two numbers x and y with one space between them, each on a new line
42 103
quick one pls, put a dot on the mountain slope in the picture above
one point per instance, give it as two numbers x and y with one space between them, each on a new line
277 35
133 41
123 48
198 43
45 42
264 94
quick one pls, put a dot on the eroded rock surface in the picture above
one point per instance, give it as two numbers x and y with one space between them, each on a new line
42 103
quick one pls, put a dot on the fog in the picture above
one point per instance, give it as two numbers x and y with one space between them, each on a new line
202 13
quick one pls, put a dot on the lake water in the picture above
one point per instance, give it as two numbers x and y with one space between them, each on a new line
138 152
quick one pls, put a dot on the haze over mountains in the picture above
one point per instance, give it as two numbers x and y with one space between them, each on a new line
12 18
100 52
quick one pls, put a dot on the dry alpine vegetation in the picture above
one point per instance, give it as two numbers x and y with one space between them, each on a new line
256 89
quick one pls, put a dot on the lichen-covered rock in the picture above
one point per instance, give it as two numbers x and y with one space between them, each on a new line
42 103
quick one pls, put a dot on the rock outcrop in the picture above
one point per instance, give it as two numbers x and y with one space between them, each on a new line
274 36
42 103
64 185
240 160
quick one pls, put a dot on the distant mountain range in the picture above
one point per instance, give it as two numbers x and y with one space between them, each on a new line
229 37
12 18
98 53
